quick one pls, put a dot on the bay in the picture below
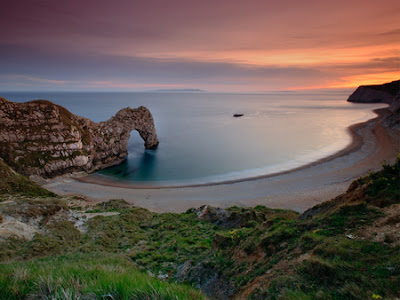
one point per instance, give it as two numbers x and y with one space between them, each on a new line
201 141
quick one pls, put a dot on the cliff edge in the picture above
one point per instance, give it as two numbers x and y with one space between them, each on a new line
393 120
45 139
382 93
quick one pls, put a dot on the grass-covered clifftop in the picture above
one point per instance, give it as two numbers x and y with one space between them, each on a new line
346 248
13 183
84 276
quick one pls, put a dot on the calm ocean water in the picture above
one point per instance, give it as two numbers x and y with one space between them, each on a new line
200 141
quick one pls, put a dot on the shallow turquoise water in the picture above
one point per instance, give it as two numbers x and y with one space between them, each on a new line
200 141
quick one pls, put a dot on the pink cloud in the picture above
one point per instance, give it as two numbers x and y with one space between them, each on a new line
258 33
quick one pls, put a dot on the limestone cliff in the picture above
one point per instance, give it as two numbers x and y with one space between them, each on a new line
393 120
42 138
385 93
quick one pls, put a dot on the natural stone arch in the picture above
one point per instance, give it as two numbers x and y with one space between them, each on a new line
139 119
40 137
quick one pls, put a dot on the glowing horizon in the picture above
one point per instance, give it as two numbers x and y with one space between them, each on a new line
225 46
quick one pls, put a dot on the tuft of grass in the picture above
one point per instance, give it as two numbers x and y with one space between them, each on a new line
383 187
100 276
112 205
344 218
281 234
351 269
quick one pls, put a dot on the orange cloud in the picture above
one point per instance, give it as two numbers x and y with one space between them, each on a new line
365 79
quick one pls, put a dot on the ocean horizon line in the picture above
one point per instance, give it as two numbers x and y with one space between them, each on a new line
189 91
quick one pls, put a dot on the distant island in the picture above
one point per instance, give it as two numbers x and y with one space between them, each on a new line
179 90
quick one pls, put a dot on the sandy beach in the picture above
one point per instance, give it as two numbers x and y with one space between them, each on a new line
297 189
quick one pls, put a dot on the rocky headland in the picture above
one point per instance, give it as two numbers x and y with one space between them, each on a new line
45 139
383 93
380 93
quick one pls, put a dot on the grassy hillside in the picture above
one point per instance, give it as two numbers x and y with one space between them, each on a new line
14 183
83 276
346 248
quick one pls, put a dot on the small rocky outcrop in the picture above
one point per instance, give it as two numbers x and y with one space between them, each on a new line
215 215
233 218
45 139
382 93
208 279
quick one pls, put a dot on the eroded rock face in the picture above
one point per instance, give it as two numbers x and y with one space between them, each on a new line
395 106
393 120
42 138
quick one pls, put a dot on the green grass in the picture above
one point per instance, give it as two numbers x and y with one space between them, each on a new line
383 187
16 184
345 218
271 253
352 269
156 242
101 276
336 267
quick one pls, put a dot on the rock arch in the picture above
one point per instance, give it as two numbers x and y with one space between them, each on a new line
42 138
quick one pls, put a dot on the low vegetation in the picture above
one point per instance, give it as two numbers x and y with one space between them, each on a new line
16 184
83 276
347 248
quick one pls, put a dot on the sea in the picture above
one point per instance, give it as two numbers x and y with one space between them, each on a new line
201 141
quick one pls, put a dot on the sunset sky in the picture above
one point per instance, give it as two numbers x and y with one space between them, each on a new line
237 46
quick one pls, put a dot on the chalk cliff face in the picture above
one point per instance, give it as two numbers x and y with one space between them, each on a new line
385 93
42 138
395 106
393 120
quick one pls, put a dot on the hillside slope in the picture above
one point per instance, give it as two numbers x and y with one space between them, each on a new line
13 183
347 248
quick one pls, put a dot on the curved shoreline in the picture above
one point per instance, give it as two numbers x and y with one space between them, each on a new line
297 189
355 144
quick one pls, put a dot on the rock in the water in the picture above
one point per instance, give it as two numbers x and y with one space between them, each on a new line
42 138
